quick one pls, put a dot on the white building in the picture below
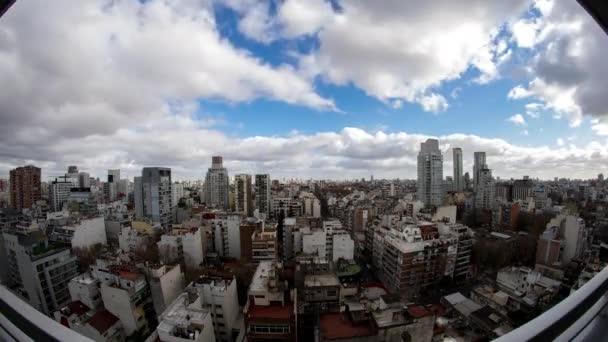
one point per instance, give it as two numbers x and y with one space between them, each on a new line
125 295
312 205
184 243
227 235
217 185
485 190
177 192
166 283
430 173
186 320
262 195
219 296
315 243
59 192
39 271
343 247
85 288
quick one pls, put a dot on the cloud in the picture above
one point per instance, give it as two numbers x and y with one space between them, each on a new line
532 109
176 139
91 67
302 17
560 142
600 127
517 119
391 50
568 72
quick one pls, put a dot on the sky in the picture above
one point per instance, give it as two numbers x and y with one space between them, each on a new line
319 89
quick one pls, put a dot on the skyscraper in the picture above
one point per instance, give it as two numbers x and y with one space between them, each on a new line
153 195
430 173
478 165
485 192
25 186
59 192
110 190
458 180
242 194
262 194
217 185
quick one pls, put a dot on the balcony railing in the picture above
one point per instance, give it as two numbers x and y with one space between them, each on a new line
582 316
21 322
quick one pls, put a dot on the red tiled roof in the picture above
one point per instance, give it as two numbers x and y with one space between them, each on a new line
367 285
271 312
418 311
78 308
128 275
437 309
102 321
337 326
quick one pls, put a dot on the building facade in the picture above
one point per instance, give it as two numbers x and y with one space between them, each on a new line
25 187
217 185
430 174
153 196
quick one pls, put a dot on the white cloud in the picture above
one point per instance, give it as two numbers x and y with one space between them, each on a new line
300 17
568 73
396 50
517 119
519 92
80 67
176 140
532 109
258 24
433 103
525 32
560 142
600 128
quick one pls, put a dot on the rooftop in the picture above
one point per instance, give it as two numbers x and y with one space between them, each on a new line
335 326
78 308
102 321
321 280
284 312
180 314
265 271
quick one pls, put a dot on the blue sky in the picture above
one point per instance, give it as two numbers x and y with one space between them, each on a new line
302 88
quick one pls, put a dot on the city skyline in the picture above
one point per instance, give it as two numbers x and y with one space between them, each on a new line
346 113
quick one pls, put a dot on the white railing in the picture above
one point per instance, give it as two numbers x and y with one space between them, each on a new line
579 317
19 321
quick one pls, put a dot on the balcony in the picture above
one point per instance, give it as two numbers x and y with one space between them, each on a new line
580 317
21 322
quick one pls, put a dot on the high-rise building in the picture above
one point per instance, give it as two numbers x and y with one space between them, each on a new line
458 181
467 181
430 173
25 186
217 187
242 194
39 271
485 192
110 188
84 180
59 192
153 195
478 165
262 194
